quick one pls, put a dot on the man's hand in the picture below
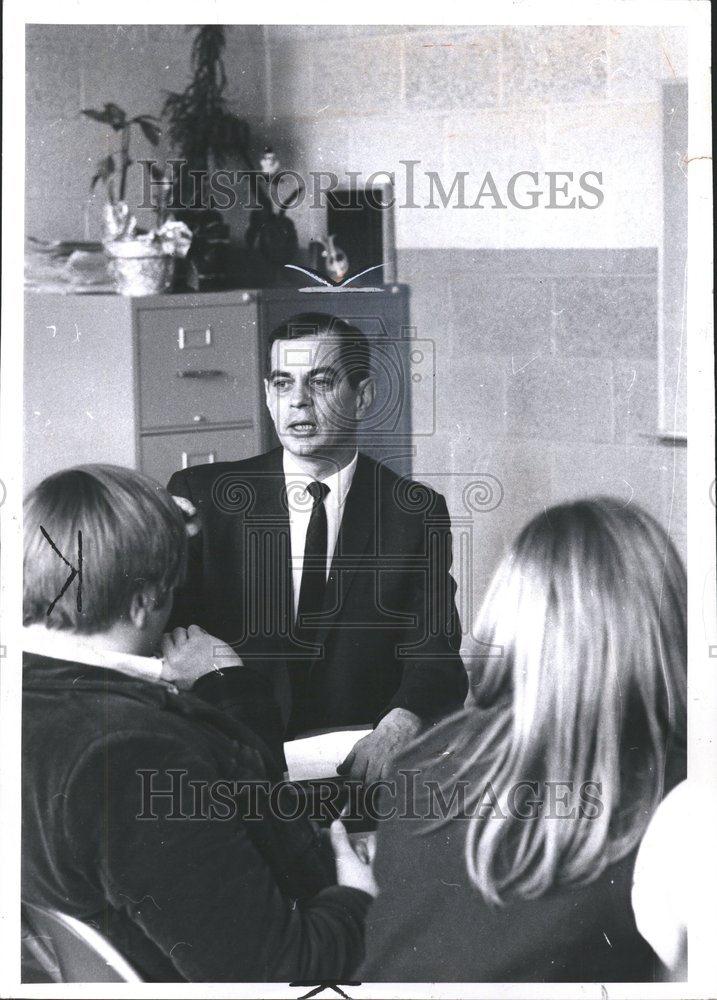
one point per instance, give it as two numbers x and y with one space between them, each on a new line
371 757
189 654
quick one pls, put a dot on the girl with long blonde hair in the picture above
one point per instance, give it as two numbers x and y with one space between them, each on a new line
532 802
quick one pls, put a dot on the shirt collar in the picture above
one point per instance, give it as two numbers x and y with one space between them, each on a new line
339 482
61 645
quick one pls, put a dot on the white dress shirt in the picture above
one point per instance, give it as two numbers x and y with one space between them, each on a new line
300 503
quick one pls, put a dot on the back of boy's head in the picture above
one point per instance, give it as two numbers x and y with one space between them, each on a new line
133 539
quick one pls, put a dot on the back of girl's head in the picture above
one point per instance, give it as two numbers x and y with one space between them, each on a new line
133 539
580 668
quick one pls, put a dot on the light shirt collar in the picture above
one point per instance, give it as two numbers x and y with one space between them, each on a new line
339 482
60 645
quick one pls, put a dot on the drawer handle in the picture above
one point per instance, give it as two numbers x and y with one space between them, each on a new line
198 458
183 335
202 373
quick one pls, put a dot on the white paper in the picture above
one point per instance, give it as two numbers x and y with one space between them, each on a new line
318 756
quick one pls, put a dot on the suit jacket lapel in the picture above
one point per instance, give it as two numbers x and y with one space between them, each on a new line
266 548
358 524
268 502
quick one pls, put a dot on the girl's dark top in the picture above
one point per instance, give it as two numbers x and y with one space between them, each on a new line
430 924
198 899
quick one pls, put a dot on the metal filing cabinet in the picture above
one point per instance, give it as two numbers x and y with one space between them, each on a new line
167 381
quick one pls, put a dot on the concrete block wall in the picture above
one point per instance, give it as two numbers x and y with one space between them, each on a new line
477 99
546 381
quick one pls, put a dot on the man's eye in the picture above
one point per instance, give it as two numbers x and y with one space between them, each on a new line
281 383
322 383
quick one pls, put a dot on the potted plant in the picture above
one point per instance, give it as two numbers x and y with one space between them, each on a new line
141 262
206 134
116 165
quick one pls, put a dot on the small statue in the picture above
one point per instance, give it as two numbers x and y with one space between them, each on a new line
336 262
274 234
269 162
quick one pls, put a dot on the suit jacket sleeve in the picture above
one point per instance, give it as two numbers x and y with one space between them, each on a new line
242 692
434 681
247 696
187 608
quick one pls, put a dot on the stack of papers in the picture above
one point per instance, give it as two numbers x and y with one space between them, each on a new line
319 756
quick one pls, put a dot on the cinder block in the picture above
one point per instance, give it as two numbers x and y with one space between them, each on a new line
578 472
279 33
606 317
425 272
657 476
636 402
650 474
500 315
556 63
52 71
350 76
542 261
523 470
633 61
561 399
292 63
470 398
622 141
452 68
381 141
494 486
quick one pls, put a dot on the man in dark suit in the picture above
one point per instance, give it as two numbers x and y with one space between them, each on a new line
324 567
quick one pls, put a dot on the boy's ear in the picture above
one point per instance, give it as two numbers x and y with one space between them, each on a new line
140 606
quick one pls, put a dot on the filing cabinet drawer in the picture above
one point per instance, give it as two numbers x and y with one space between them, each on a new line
163 454
195 365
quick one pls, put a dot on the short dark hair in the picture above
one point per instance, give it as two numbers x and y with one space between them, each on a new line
133 538
352 342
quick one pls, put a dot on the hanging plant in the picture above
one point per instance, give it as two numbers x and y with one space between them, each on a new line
200 123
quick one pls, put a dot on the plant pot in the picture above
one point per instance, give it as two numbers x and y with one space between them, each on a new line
137 268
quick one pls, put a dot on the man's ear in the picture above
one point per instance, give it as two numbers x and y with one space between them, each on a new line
365 393
266 392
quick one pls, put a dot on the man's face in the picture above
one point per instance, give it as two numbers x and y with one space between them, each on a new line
313 405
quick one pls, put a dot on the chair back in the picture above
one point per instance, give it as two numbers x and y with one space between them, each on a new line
70 951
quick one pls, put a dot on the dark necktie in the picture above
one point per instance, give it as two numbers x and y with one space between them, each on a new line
313 575
311 600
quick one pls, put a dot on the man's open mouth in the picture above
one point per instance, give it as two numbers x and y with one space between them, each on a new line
302 426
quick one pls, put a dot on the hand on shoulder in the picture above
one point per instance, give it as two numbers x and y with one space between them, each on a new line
189 654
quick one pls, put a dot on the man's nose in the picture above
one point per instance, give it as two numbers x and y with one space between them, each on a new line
300 395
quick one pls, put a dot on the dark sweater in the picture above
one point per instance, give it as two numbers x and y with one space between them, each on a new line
200 899
430 924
